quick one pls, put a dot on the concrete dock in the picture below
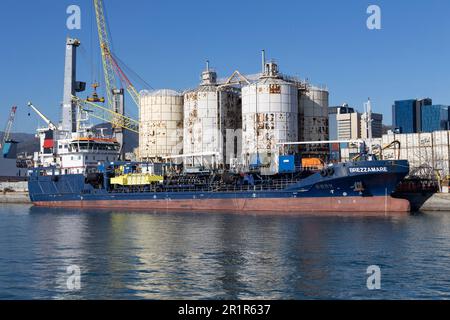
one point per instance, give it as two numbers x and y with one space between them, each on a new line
14 192
14 197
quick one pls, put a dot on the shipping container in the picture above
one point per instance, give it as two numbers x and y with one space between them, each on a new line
440 137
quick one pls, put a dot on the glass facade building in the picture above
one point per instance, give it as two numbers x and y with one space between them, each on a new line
407 115
404 113
435 118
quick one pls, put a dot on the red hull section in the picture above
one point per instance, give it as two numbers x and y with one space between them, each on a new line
277 205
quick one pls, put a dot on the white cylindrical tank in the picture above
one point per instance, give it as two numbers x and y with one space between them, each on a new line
269 116
313 118
161 125
210 114
313 111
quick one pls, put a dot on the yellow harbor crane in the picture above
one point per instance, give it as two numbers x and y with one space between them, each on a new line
115 80
117 120
110 63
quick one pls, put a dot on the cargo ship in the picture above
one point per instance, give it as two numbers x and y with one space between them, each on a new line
362 186
80 167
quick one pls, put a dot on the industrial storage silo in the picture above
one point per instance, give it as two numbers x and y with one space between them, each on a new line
211 117
269 116
161 125
313 120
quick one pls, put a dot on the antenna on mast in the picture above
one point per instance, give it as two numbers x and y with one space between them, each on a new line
263 61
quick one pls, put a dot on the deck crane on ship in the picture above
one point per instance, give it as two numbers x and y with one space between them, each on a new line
115 81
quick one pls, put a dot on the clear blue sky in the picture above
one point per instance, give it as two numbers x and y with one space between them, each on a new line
167 42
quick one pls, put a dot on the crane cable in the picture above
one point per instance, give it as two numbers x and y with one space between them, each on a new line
124 66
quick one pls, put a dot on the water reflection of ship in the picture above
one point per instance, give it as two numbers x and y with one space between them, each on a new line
204 256
81 240
237 256
58 242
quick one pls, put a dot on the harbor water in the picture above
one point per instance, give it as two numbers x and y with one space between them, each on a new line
83 254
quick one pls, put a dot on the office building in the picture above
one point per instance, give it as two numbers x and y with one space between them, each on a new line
332 119
435 118
347 124
377 126
407 115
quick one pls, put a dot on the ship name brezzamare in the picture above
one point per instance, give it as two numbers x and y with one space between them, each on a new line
368 169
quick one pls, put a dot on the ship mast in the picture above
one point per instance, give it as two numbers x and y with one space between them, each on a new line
71 87
368 119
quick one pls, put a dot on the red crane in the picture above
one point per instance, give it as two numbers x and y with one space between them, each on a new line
9 124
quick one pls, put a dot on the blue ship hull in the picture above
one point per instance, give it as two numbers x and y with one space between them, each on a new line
363 186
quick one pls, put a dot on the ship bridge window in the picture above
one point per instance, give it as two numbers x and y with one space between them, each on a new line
73 148
113 147
84 146
100 146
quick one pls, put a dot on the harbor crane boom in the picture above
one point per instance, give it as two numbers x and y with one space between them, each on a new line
50 124
108 71
117 120
9 124
110 63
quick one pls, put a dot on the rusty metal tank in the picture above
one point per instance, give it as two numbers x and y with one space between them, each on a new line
161 124
313 120
211 117
269 116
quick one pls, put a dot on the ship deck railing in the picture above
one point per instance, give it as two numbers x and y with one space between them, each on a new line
279 185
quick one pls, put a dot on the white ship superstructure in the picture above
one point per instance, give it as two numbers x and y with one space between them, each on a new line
83 154
72 147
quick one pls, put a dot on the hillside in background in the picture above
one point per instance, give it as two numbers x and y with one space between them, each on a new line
386 128
29 143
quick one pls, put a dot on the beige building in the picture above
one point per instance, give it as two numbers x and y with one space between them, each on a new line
348 126
353 126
